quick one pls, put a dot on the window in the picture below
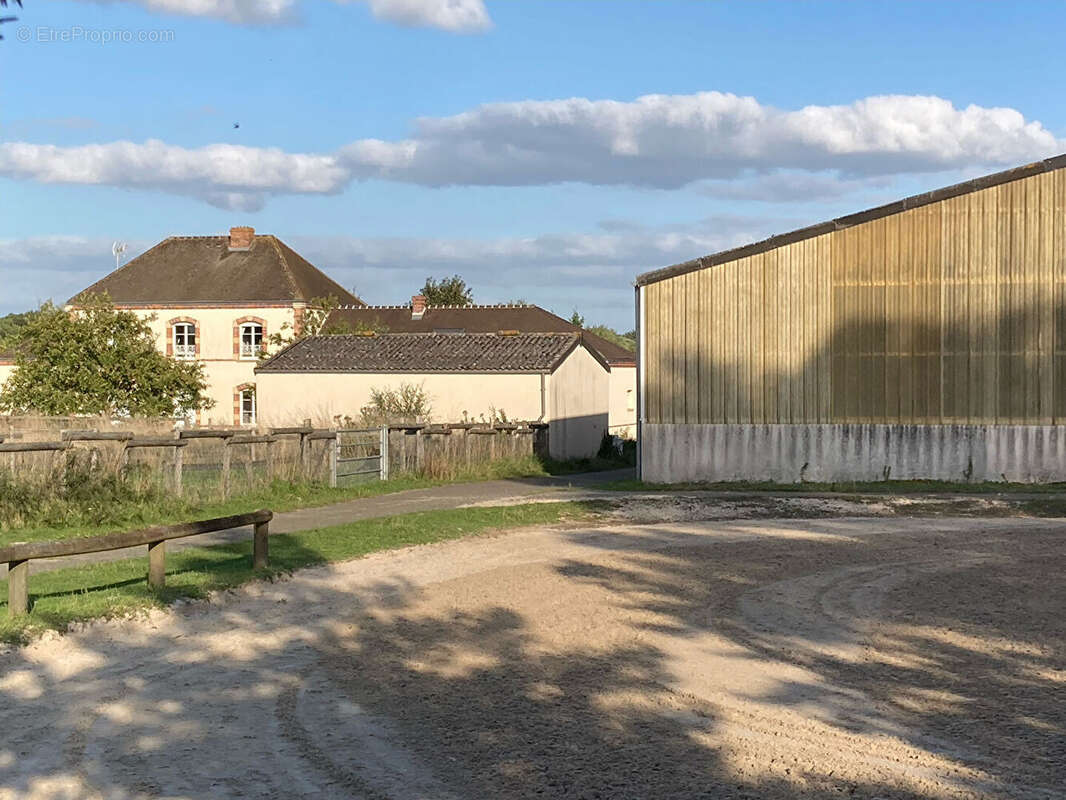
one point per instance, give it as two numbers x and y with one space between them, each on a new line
247 406
184 340
251 339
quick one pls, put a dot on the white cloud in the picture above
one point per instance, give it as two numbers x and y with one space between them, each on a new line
791 187
668 141
657 141
454 16
231 176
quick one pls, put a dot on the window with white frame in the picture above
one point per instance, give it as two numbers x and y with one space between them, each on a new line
247 404
184 340
251 339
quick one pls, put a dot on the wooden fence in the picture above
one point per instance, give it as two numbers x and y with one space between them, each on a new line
339 457
437 450
19 555
173 464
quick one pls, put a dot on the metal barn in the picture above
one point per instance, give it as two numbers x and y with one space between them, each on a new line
921 339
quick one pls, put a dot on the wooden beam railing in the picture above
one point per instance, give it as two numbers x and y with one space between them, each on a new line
19 555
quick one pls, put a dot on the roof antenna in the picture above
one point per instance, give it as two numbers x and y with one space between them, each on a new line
117 249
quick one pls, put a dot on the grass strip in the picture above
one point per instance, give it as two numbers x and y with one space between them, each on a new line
843 487
61 597
277 496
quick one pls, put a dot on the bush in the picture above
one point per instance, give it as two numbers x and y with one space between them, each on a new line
407 404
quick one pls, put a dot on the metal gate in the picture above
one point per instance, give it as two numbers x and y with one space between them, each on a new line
360 455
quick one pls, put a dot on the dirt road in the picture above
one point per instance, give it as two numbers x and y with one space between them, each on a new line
876 658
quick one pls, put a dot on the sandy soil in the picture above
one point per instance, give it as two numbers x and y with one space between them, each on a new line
876 658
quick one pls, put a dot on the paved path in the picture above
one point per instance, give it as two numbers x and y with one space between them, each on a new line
436 498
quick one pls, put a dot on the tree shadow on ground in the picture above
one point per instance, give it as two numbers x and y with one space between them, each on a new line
403 679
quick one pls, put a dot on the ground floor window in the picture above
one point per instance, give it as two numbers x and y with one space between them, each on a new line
247 406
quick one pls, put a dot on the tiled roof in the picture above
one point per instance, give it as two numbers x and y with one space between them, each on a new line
476 319
425 352
202 269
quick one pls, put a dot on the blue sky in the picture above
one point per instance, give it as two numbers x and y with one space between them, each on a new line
546 151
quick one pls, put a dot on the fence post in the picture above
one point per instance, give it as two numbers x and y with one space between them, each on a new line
179 460
261 546
157 564
305 456
334 451
225 469
270 461
18 589
384 470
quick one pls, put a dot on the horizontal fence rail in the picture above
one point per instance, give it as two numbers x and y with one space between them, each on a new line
19 555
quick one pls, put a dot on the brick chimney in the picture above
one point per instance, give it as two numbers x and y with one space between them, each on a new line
418 306
241 238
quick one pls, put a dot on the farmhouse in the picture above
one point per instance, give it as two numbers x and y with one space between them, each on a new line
217 299
555 378
519 318
921 339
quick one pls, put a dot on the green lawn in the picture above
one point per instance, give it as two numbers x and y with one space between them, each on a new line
88 518
844 487
108 589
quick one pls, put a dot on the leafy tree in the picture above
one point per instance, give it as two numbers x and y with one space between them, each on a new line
626 340
97 360
451 291
11 324
315 324
3 3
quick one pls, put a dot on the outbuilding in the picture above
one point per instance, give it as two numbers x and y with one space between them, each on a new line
547 377
921 339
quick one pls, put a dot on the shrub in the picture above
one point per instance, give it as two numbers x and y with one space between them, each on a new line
408 403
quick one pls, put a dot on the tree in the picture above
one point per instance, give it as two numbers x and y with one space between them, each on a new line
97 360
626 340
3 3
315 323
451 291
10 324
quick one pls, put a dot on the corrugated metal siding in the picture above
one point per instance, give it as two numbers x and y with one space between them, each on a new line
953 312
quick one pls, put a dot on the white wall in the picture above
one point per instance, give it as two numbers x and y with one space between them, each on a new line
216 326
5 372
286 398
578 394
223 371
623 402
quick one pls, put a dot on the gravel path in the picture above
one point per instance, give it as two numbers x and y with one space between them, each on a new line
875 658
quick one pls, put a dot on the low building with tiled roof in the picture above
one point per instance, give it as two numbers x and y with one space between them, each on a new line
417 317
218 300
557 378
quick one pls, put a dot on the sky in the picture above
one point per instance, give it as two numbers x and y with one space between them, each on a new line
548 151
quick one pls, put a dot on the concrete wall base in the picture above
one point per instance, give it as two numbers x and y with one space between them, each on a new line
853 452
